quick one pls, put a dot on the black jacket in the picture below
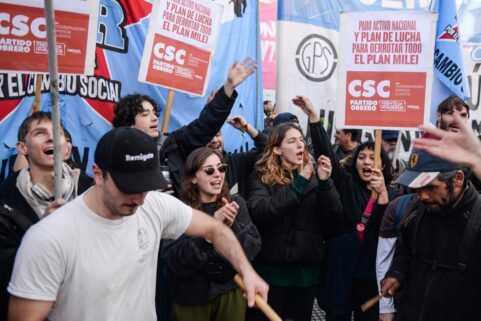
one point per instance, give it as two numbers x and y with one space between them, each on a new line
429 290
354 196
15 219
181 142
291 225
197 273
241 165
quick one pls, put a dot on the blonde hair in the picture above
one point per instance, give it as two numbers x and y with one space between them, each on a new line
270 165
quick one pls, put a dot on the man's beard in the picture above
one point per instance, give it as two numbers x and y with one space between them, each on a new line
442 124
451 199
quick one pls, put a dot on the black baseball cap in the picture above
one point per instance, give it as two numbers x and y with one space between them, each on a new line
132 160
285 118
423 168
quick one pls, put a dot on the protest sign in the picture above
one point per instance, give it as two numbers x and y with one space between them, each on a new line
385 69
23 36
180 43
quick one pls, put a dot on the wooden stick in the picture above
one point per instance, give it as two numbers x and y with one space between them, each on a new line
260 302
168 108
377 154
38 92
370 303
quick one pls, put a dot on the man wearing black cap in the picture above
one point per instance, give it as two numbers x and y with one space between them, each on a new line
96 257
437 262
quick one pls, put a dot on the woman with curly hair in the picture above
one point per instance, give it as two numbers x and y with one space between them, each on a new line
292 201
200 280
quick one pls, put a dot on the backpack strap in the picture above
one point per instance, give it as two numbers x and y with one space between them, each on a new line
470 233
402 204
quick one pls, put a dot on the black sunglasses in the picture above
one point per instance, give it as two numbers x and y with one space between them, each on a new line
209 170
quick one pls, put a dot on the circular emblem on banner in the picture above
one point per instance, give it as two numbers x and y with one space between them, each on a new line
316 58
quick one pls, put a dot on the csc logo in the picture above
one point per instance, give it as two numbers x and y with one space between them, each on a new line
19 25
368 88
169 53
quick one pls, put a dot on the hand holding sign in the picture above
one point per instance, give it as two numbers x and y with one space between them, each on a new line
239 72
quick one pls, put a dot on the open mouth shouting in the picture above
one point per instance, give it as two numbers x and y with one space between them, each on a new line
48 151
300 156
366 172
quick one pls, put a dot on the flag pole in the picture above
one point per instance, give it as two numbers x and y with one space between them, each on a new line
53 72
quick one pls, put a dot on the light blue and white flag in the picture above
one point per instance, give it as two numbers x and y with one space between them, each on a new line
450 74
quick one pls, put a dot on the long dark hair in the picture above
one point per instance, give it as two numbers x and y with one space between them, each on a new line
189 192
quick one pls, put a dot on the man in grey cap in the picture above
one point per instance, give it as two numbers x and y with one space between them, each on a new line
96 257
437 262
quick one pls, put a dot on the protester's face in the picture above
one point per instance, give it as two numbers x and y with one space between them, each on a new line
446 120
390 147
67 152
365 164
436 196
118 203
147 120
210 186
268 108
291 149
38 145
217 142
341 137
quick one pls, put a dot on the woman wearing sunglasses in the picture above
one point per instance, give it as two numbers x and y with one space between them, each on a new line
292 201
200 280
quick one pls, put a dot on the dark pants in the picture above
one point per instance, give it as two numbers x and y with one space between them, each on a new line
362 291
162 299
334 294
290 302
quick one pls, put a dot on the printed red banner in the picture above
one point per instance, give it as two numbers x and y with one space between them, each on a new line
23 40
382 99
176 64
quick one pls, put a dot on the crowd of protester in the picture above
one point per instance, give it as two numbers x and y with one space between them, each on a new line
166 221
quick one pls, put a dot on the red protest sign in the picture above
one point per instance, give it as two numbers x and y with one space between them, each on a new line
382 99
385 69
180 43
176 64
23 39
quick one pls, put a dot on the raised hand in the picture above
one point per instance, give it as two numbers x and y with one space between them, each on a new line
307 107
239 72
324 167
462 147
238 122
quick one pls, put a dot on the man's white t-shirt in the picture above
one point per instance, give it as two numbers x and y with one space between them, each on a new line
95 268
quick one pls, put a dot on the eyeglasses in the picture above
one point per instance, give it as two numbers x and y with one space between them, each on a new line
209 170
